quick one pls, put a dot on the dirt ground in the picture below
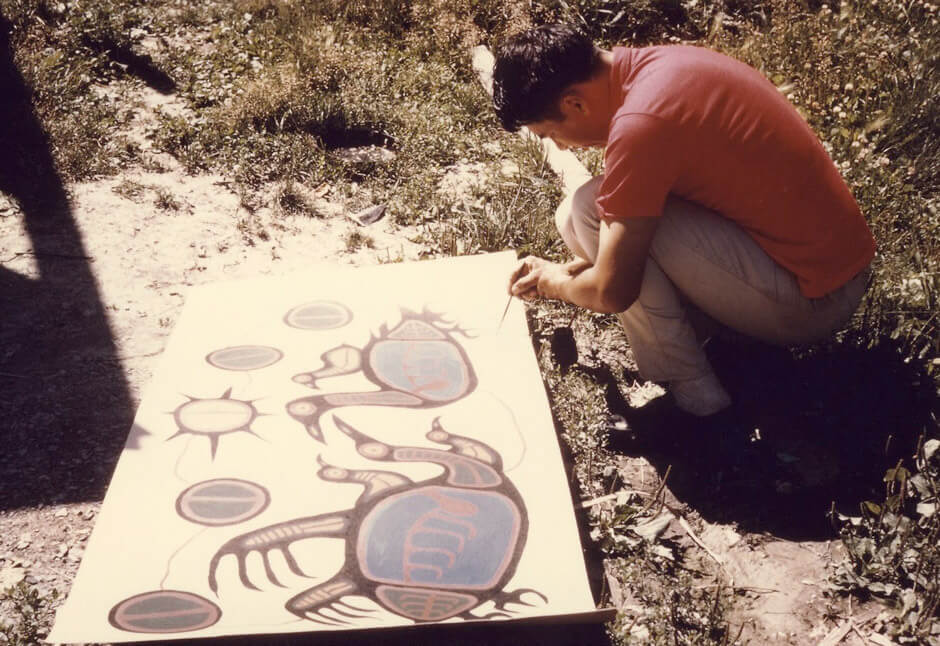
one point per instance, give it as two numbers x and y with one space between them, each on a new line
94 275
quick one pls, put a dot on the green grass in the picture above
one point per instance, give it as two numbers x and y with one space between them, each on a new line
275 87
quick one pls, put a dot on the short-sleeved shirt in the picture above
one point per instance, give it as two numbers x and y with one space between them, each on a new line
712 130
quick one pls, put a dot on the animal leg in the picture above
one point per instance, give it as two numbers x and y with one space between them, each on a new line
311 603
277 537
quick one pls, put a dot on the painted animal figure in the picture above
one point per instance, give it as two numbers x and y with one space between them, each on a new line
416 364
426 550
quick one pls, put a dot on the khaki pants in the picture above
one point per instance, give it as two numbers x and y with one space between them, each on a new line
701 259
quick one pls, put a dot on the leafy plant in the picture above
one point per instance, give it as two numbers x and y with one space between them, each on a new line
894 549
32 614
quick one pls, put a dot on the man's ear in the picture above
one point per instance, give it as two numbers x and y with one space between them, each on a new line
573 103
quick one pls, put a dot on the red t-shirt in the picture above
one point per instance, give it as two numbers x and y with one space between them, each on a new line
714 131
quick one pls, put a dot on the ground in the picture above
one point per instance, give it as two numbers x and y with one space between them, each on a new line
98 273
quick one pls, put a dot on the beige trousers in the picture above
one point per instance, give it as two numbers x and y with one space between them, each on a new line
702 259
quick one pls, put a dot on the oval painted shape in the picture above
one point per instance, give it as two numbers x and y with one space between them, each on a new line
319 315
223 501
164 611
244 357
215 415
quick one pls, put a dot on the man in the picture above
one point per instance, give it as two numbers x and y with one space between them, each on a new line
716 197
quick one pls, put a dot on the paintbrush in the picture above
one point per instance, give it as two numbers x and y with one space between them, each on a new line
505 311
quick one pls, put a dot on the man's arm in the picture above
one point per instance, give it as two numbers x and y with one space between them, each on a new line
611 285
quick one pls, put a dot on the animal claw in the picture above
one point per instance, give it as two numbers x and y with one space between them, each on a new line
292 563
349 605
243 575
269 571
323 619
491 615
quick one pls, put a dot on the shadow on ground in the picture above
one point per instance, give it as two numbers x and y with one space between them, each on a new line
65 405
488 634
805 434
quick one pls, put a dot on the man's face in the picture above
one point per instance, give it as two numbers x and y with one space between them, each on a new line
572 131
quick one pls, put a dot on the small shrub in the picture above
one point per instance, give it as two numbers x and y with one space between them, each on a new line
165 200
894 549
356 240
32 615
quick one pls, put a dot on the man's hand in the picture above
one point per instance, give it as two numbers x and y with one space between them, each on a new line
610 285
534 277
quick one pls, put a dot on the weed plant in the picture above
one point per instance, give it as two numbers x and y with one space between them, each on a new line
31 612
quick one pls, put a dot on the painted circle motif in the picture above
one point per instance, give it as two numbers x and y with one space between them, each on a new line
224 501
164 611
244 357
215 415
319 315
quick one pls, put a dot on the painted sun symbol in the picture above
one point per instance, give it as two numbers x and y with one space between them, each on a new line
215 417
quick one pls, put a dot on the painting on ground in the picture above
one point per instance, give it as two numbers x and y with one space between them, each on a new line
334 450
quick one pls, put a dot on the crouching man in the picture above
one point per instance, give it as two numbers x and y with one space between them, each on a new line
716 195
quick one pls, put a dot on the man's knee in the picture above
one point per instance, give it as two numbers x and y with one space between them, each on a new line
576 219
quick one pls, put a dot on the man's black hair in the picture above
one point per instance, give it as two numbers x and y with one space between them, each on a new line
534 68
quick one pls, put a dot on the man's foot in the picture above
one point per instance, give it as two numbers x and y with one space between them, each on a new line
703 396
722 441
658 427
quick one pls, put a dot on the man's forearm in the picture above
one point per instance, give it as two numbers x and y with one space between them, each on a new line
586 289
576 266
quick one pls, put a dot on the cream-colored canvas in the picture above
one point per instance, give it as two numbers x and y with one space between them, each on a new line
338 449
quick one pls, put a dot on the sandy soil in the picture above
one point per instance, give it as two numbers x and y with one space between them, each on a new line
93 307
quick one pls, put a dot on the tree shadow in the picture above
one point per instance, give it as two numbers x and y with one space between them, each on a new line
65 405
807 434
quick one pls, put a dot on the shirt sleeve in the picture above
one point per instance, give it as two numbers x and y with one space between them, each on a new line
640 167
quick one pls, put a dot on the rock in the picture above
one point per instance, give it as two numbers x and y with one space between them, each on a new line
369 216
365 154
61 513
654 528
10 576
76 554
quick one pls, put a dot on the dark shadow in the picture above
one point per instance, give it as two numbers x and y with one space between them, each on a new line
351 137
494 633
805 434
65 405
135 64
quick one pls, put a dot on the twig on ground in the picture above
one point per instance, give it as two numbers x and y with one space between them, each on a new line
837 634
695 539
659 492
613 496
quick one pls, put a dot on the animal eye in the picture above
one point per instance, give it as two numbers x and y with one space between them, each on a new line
301 408
373 450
